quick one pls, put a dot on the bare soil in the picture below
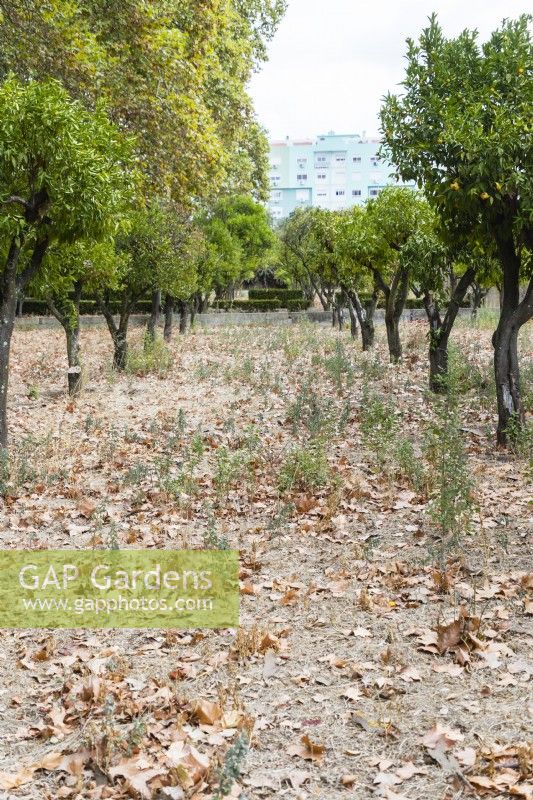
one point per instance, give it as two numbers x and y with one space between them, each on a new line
374 658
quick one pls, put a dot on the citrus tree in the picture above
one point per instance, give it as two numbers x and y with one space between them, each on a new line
306 254
63 177
70 270
462 129
360 249
396 215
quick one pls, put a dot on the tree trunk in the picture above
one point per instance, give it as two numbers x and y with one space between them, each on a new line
119 333
438 347
395 298
74 366
194 308
477 296
505 340
365 315
153 320
169 317
353 318
440 330
12 285
69 319
7 323
203 303
183 310
513 315
392 324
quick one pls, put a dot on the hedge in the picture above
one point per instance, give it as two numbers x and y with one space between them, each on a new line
283 295
261 305
40 307
247 305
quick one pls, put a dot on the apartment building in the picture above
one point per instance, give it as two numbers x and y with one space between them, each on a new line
333 171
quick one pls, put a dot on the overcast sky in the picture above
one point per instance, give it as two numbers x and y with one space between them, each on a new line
332 60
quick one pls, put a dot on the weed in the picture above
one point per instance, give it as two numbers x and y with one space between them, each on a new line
212 539
109 444
313 413
181 422
136 735
305 468
111 541
33 392
379 425
136 474
232 766
229 467
152 357
451 505
281 517
521 438
340 367
205 369
409 465
4 473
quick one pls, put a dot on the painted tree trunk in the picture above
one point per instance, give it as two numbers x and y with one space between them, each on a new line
169 317
507 377
365 315
119 333
74 366
513 315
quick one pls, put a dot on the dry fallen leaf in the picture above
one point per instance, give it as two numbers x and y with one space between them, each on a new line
308 749
207 712
441 737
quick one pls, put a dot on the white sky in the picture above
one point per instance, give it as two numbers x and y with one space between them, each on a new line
332 60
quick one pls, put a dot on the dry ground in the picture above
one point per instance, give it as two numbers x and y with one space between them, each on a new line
346 673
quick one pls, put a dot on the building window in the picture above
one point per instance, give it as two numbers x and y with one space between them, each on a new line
322 194
275 163
277 213
274 179
373 192
356 159
275 197
302 176
321 159
302 162
321 176
340 192
302 195
340 159
374 160
356 192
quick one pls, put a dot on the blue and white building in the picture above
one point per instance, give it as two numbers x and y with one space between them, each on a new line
333 171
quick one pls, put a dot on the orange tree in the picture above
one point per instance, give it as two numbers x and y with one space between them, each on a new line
63 177
462 129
